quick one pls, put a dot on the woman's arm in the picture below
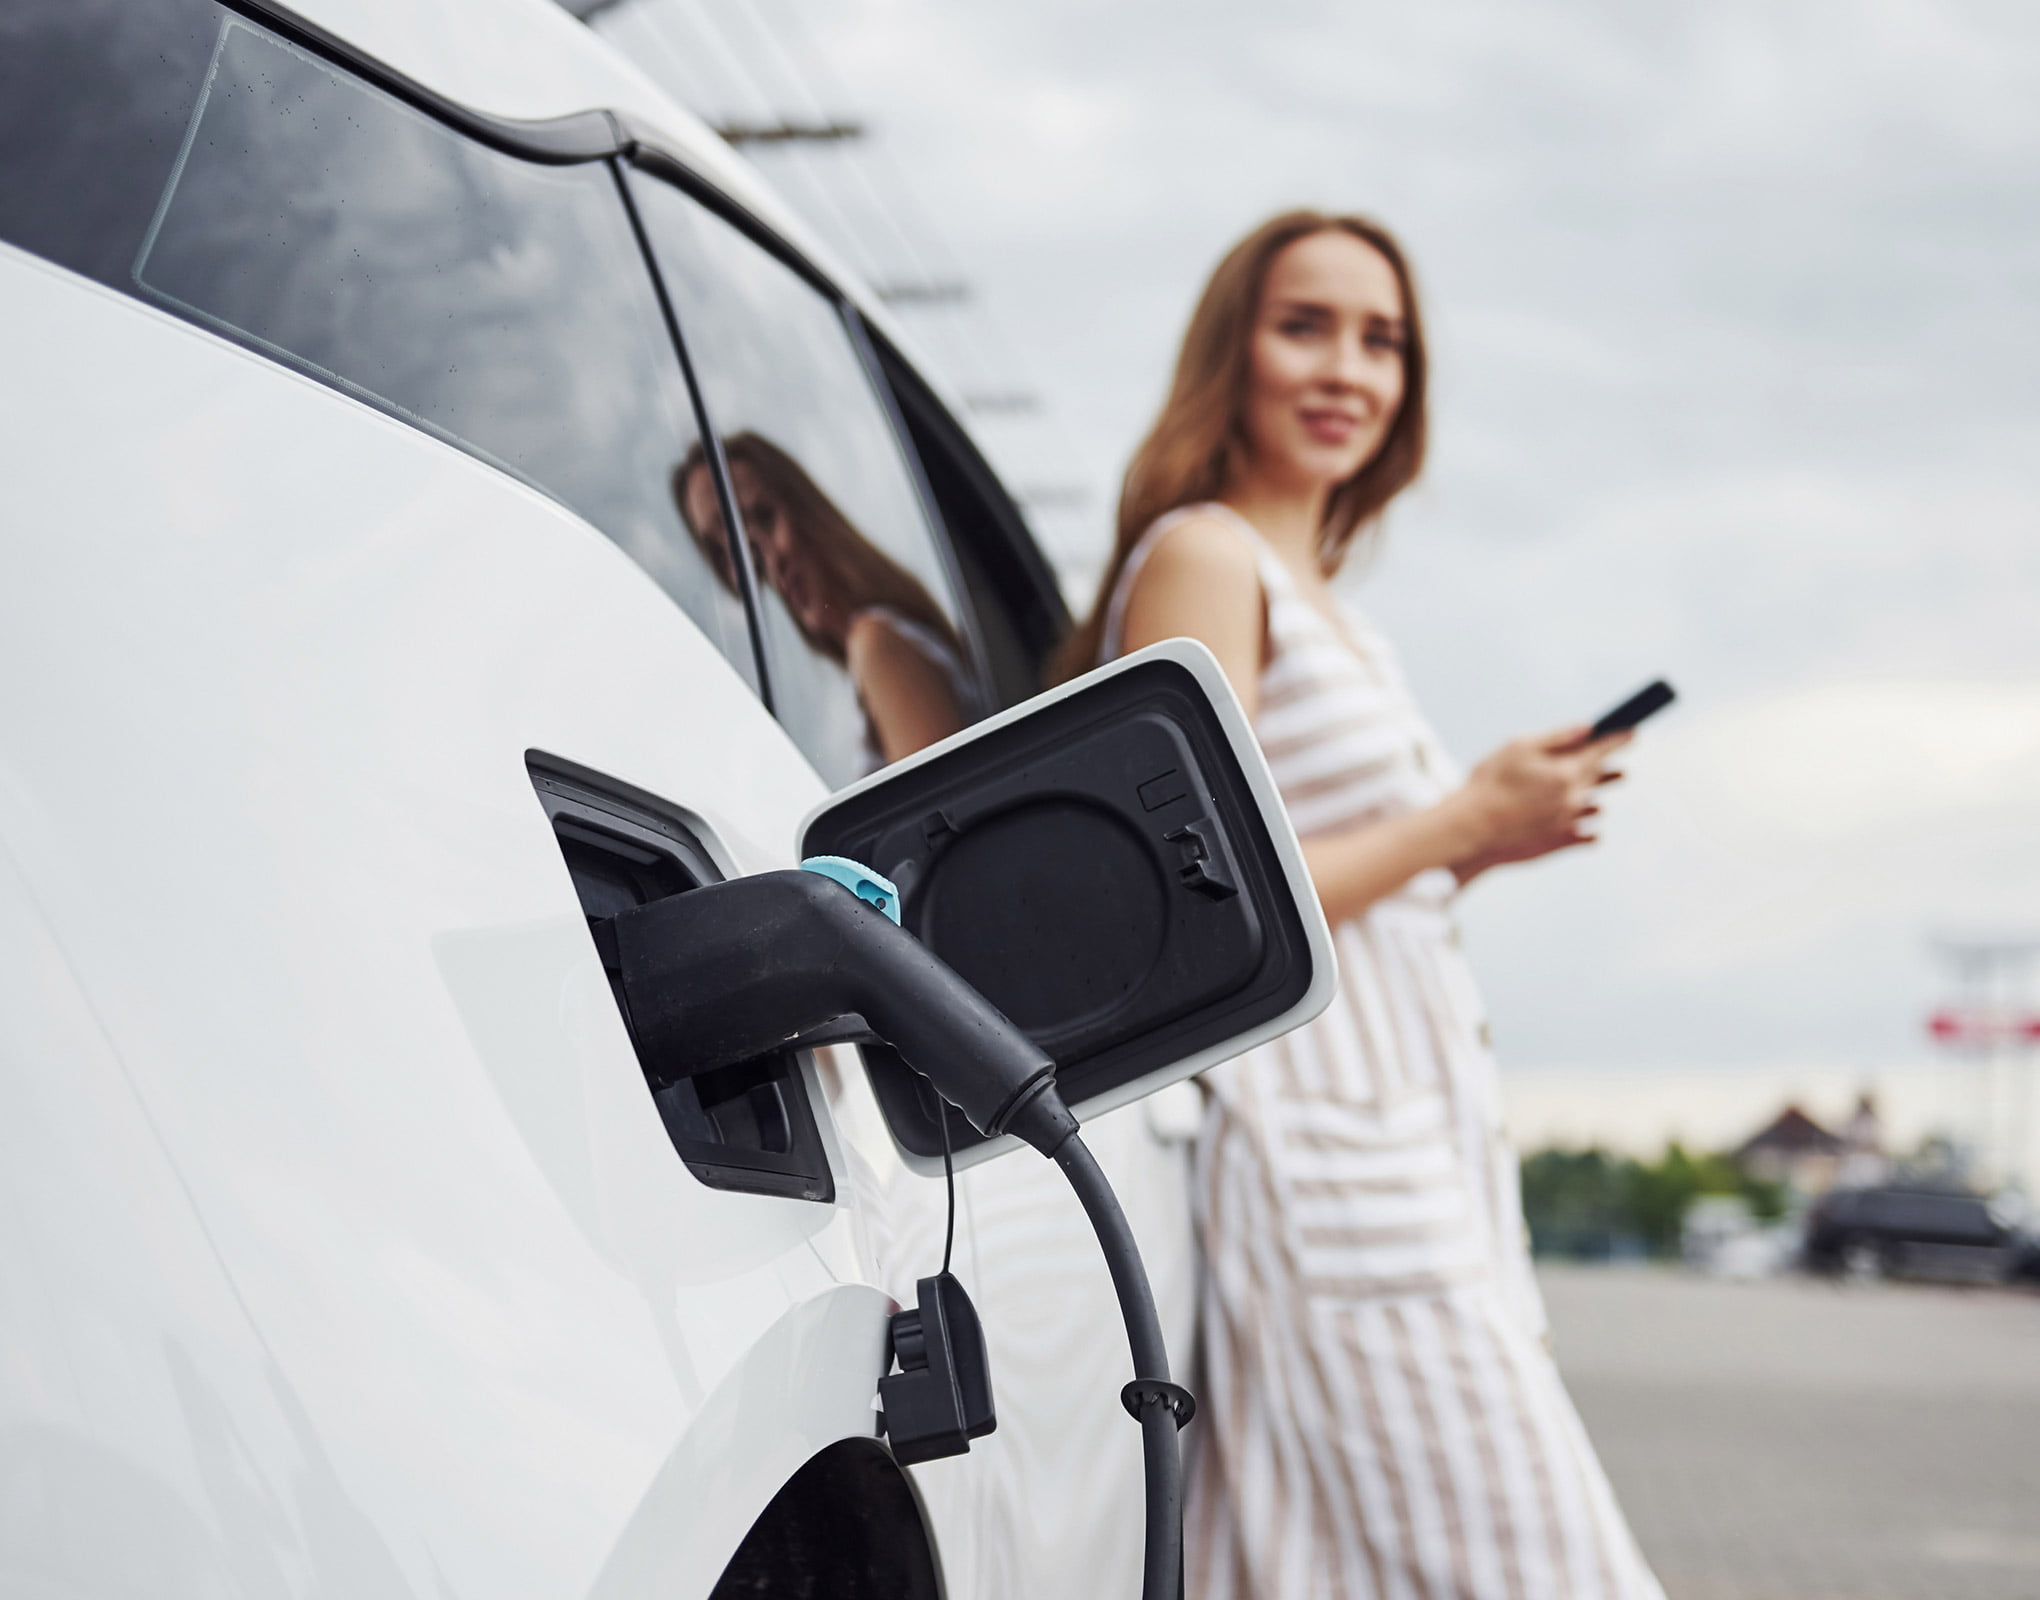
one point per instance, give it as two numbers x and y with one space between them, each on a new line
1530 798
1527 799
1201 581
1357 866
909 699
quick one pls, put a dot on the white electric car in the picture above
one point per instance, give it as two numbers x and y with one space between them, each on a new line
381 379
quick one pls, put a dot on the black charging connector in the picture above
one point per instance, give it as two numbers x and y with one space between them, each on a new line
734 969
941 1398
731 970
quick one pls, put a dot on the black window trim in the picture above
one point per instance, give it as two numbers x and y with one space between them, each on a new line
741 558
618 138
1014 559
557 141
586 138
944 536
651 158
582 136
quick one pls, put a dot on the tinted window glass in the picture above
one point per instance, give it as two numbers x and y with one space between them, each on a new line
95 97
500 304
863 637
1949 1217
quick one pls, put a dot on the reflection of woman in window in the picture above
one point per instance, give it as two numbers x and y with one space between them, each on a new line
851 601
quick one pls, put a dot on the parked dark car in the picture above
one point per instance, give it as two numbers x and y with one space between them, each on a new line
1915 1230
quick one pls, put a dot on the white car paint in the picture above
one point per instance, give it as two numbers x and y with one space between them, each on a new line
344 1252
264 777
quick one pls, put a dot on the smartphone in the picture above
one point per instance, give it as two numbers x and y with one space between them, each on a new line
1646 702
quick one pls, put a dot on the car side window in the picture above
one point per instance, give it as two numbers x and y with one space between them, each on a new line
866 649
500 304
95 98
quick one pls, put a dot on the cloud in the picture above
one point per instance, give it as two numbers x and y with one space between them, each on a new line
1842 765
1781 825
1736 316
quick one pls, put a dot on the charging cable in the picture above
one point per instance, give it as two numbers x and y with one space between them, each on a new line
732 970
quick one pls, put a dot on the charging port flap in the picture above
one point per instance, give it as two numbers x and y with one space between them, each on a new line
1110 865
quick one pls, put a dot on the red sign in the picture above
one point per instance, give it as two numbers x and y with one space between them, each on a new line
1952 1025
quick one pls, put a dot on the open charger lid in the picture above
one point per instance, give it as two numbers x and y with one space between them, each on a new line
1111 865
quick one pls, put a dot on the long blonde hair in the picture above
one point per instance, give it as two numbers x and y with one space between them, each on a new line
1190 453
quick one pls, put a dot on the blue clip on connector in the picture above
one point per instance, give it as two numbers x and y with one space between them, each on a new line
860 880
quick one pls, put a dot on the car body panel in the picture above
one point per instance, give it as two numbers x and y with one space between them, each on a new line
348 1253
273 669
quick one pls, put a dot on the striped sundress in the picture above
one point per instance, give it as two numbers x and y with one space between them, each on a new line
1379 1414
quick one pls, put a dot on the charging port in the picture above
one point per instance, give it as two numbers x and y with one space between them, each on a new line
748 1127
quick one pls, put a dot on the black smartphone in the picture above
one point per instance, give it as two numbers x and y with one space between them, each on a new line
1646 702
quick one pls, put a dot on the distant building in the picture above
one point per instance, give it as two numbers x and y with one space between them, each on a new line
1863 1159
1792 1148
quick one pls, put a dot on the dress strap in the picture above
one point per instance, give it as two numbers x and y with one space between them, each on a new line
1273 578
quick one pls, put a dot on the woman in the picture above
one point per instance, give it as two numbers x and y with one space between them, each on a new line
1380 1415
852 603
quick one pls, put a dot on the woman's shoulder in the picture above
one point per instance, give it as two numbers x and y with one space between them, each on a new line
1201 540
1191 563
881 631
1197 573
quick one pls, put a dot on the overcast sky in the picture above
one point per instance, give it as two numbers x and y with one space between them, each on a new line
1736 311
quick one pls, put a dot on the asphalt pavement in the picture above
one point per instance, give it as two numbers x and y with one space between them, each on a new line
1794 1439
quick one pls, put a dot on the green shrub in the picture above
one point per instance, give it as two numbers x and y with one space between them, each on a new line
1589 1205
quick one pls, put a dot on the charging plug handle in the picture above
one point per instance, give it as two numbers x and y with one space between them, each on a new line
733 970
